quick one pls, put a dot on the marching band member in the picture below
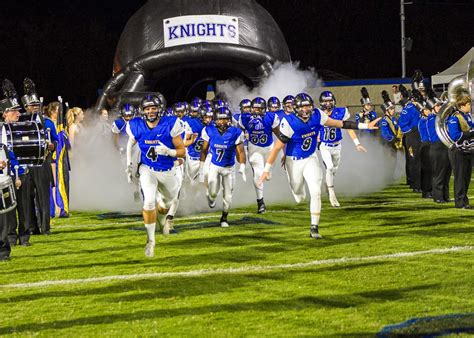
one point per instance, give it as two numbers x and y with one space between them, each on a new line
441 165
408 122
367 114
160 142
461 129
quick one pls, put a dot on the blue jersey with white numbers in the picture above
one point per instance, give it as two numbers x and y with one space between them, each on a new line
454 127
386 131
409 118
148 138
303 135
330 135
194 150
259 128
223 146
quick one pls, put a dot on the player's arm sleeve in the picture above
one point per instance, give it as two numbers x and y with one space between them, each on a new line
347 115
204 135
129 131
115 129
276 121
323 117
286 132
240 139
178 128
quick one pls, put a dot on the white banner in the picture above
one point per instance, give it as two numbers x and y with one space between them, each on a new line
183 30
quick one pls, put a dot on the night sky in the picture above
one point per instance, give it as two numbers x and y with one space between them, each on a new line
67 47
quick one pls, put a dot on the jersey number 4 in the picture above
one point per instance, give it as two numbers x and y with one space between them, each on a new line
151 154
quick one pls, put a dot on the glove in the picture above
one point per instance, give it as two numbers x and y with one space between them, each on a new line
129 173
242 172
200 175
164 150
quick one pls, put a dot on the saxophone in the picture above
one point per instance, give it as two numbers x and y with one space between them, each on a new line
399 142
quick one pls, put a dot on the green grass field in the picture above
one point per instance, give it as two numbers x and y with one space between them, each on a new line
247 280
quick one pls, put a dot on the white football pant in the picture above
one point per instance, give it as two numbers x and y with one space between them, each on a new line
331 157
226 176
257 157
306 170
159 187
180 178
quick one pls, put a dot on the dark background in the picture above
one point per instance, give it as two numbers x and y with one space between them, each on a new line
67 47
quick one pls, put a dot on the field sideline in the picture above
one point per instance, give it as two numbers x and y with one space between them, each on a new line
385 258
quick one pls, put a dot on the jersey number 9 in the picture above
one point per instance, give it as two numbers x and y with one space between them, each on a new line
307 142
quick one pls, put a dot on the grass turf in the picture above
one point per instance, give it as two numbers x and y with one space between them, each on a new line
340 299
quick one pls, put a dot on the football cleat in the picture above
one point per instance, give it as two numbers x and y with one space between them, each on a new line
224 224
314 232
150 249
167 227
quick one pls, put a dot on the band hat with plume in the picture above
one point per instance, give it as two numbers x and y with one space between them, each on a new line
387 103
432 100
31 97
10 102
365 96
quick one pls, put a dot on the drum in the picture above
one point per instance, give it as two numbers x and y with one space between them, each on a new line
7 198
27 141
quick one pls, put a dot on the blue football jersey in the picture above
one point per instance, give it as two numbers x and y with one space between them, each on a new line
222 146
259 128
303 135
148 138
196 126
330 134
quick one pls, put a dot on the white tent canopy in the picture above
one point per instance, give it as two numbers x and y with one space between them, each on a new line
459 68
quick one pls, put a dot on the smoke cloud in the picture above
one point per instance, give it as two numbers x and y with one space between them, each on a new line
98 180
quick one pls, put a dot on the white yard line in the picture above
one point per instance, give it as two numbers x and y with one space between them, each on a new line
243 269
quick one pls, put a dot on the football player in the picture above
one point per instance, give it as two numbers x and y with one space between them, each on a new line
119 130
331 141
224 142
299 132
160 141
260 126
181 111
